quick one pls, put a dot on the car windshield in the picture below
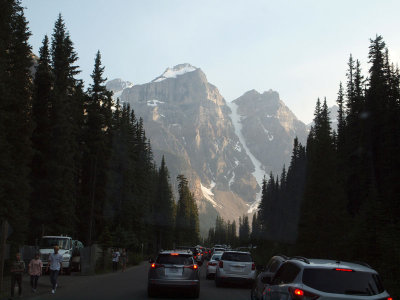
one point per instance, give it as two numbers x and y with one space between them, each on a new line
236 256
47 243
168 259
340 282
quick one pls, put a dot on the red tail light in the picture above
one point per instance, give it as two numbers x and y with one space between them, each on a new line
390 298
193 267
344 270
299 294
253 266
155 266
195 257
221 264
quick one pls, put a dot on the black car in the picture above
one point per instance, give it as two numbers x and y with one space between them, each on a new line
266 276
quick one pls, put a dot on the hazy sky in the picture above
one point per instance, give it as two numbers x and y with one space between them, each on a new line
298 48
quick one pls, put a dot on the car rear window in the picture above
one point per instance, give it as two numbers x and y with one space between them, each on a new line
235 256
168 259
216 257
341 282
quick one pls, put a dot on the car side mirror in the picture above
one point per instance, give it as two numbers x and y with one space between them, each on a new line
266 279
260 268
151 260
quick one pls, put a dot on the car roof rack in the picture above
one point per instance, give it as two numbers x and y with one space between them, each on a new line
362 263
300 258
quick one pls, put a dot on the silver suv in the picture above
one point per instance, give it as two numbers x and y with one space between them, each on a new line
301 278
235 266
174 270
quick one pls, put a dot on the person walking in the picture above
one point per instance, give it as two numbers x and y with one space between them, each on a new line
17 270
115 259
35 271
55 263
124 259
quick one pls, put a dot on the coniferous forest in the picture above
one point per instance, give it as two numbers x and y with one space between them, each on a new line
72 160
341 193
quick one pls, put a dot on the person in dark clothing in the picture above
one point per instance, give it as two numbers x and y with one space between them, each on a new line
17 270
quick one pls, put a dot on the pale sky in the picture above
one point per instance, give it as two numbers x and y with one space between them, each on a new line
298 48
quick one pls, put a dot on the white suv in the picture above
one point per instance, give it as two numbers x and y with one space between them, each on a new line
235 266
309 279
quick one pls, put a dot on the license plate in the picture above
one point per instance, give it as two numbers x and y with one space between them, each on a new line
173 271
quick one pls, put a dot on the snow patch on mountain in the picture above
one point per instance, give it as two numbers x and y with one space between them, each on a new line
258 172
154 102
175 71
209 195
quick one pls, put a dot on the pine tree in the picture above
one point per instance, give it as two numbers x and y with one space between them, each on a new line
163 209
40 176
64 137
15 118
96 153
187 224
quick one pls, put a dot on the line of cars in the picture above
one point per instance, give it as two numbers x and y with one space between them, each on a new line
289 278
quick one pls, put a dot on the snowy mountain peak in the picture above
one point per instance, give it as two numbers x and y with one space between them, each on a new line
175 71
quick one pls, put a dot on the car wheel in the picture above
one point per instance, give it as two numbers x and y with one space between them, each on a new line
196 293
218 282
151 292
68 270
253 295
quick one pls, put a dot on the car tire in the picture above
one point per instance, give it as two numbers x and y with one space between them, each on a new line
151 293
68 270
218 282
196 293
253 294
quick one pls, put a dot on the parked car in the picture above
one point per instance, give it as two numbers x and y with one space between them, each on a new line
65 244
212 265
266 275
173 270
235 266
302 278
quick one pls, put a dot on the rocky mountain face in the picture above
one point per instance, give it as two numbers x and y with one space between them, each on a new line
224 149
269 128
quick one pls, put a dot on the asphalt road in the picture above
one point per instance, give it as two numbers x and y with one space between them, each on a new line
129 285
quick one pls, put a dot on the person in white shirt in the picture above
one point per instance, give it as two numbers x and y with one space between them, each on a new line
55 263
115 259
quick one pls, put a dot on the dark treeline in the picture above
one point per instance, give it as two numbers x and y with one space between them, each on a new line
346 181
74 162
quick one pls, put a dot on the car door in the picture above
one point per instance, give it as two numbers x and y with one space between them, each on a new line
286 274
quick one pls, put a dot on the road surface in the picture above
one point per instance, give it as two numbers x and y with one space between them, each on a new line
129 285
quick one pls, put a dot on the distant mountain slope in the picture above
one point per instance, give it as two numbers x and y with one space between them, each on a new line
224 149
269 128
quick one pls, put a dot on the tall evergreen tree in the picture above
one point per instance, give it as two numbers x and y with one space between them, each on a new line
163 210
15 117
40 176
96 153
64 139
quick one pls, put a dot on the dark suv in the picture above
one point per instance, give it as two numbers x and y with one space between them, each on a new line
174 270
266 276
301 278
